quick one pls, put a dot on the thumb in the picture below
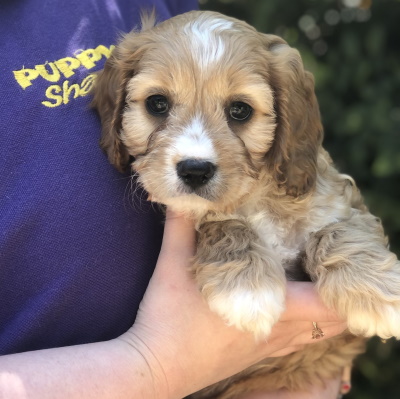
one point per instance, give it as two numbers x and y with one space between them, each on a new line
178 242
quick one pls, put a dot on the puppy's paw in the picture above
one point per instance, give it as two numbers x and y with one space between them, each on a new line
383 321
242 280
254 311
357 275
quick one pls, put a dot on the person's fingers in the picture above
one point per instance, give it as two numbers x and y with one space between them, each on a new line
300 332
329 329
297 342
304 303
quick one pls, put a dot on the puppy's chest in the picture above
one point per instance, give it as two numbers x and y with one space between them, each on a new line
285 238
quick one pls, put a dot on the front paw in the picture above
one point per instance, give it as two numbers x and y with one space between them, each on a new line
383 320
241 280
357 275
249 310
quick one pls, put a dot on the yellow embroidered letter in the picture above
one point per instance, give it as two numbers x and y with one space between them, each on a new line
89 57
87 85
25 76
68 90
51 77
52 96
67 66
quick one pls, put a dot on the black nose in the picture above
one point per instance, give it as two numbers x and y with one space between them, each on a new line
195 173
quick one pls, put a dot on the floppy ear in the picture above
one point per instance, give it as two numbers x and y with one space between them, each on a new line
299 133
109 101
110 90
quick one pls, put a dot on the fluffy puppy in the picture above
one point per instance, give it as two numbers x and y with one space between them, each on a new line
221 122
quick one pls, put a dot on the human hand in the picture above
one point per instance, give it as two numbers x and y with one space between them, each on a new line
176 346
186 346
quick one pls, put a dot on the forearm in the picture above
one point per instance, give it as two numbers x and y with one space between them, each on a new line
100 370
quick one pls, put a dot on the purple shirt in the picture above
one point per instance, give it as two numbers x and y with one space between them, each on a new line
76 249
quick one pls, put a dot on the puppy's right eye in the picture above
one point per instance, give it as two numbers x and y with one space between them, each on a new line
157 105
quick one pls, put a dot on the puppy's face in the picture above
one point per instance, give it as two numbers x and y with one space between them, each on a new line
195 101
198 119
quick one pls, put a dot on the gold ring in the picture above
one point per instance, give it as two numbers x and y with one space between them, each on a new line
317 333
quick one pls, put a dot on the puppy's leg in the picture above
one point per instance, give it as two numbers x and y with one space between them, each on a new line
357 275
241 280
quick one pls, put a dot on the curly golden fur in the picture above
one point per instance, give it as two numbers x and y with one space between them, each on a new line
221 122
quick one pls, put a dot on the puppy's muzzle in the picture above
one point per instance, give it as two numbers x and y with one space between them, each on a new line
195 173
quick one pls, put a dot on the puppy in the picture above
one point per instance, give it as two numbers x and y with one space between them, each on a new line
221 122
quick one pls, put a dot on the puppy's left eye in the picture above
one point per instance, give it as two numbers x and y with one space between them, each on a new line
157 105
240 111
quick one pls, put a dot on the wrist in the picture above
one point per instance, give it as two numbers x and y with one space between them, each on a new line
169 372
144 366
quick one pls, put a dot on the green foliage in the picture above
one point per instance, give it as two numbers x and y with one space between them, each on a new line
353 49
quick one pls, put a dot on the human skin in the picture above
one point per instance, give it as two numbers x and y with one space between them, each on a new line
175 347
